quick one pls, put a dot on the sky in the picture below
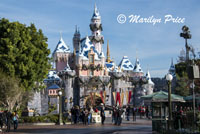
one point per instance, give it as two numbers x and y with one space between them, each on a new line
154 45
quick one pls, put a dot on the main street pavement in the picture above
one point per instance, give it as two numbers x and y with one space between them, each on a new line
141 126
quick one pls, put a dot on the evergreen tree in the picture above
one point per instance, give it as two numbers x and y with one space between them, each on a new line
183 82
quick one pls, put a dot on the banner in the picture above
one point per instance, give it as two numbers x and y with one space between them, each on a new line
129 97
92 101
101 93
118 98
104 96
114 96
122 99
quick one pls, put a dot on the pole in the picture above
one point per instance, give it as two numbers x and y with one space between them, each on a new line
187 50
60 110
194 111
170 105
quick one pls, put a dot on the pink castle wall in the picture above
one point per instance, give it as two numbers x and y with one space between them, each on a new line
60 65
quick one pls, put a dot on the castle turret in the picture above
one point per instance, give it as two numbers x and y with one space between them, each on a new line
150 85
96 28
125 64
172 70
76 40
61 54
137 69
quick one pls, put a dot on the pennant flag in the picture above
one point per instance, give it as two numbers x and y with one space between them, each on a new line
104 96
118 98
114 97
101 93
92 101
122 98
129 97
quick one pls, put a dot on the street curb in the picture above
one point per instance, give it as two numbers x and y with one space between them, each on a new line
42 124
37 124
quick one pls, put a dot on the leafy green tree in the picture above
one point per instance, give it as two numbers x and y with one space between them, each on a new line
10 91
23 53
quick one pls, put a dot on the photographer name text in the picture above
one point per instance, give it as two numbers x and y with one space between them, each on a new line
121 18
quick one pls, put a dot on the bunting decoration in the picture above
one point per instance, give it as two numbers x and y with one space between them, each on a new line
122 99
118 98
129 97
114 97
102 98
92 98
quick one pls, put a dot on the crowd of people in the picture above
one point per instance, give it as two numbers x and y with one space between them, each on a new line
142 111
7 118
84 115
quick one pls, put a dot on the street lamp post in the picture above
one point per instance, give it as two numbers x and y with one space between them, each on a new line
169 78
186 35
60 107
193 96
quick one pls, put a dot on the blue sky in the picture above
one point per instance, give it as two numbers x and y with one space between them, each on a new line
154 45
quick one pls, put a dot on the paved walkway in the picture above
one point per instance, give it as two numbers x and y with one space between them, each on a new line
141 126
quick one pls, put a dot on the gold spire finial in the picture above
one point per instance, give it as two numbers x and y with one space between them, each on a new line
108 53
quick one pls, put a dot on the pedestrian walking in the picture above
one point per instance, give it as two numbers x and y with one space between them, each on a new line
113 114
15 120
72 115
127 112
1 120
134 113
119 116
85 116
76 115
103 117
8 120
147 112
82 115
89 116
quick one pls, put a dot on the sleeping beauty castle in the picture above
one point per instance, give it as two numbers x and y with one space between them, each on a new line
89 78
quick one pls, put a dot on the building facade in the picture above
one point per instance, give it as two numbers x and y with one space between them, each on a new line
89 78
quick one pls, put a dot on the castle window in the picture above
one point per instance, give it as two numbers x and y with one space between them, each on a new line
91 73
91 59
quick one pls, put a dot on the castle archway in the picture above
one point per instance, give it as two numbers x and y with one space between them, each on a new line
95 100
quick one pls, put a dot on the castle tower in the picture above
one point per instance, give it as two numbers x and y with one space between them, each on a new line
61 54
96 28
137 69
76 40
150 85
68 76
172 70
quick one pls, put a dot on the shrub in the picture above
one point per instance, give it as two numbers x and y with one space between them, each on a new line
38 119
